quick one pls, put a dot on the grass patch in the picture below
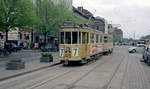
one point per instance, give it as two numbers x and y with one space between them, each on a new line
16 60
46 54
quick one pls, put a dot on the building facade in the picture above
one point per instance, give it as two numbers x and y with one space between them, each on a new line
119 34
96 23
84 15
99 24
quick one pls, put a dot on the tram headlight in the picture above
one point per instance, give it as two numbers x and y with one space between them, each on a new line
67 49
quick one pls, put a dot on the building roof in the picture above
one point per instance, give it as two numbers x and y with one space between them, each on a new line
81 13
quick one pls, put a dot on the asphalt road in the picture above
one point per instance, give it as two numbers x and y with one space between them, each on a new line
119 70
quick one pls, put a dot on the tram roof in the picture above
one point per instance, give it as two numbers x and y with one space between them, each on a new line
78 28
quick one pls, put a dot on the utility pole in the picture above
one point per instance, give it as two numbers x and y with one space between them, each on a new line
90 18
134 35
134 38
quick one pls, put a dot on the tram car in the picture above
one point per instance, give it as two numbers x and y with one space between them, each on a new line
107 43
81 44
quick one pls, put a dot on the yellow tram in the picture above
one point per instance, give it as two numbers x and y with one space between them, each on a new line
80 43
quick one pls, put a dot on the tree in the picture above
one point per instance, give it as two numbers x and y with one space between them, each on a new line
16 13
52 16
145 37
115 37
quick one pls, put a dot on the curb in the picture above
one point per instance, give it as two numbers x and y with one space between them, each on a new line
27 72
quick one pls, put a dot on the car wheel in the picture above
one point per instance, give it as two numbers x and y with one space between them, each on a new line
148 62
145 60
133 51
143 57
129 51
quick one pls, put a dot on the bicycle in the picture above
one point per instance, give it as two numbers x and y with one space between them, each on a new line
4 52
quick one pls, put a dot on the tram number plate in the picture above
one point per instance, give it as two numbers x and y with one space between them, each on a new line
75 51
61 52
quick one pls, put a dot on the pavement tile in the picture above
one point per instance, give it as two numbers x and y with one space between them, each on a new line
33 64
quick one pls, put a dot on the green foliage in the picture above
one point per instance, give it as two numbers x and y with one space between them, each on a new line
115 38
46 54
53 16
145 37
16 60
16 13
128 40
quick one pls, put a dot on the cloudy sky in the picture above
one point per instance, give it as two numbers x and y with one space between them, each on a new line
133 15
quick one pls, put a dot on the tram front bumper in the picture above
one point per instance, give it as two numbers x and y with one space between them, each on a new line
70 60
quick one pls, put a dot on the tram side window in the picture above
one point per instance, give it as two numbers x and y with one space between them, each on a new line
92 37
87 37
75 37
68 38
79 37
62 37
97 36
105 39
83 38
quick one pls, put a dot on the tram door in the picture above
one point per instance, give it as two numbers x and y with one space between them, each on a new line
84 43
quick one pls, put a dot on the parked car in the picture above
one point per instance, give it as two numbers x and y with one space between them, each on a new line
146 55
49 48
136 49
132 49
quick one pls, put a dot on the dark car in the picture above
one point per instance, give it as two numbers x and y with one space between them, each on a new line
49 48
146 55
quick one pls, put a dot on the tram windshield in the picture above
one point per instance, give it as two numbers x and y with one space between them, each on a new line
65 38
68 38
105 39
73 37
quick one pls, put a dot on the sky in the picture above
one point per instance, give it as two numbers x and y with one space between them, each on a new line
132 15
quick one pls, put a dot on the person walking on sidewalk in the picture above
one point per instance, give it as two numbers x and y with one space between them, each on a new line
7 49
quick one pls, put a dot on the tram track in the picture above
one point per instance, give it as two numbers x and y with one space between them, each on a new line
64 73
107 86
70 86
19 80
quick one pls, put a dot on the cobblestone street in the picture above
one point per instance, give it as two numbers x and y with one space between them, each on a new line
119 70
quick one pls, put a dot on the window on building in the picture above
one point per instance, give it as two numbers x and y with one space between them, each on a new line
68 38
92 37
97 38
74 37
62 38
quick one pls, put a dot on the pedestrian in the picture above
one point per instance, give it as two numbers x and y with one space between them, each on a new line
21 45
6 48
40 44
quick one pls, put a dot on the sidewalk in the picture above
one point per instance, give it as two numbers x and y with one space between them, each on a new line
29 67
